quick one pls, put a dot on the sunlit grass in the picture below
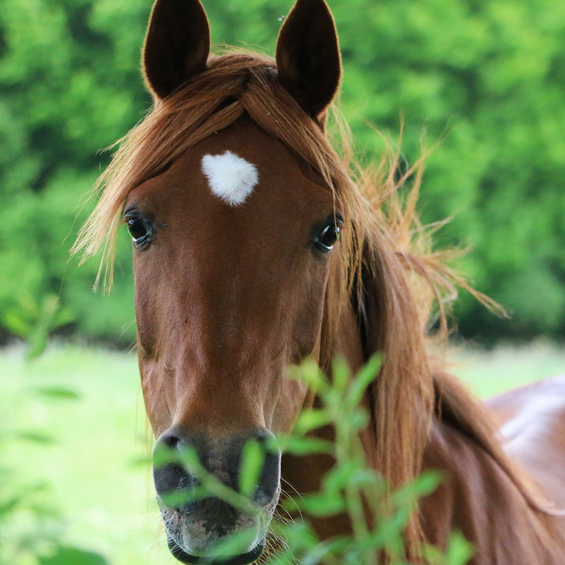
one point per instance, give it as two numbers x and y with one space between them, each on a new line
508 366
96 466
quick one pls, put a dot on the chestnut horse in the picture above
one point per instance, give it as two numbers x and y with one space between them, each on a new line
254 250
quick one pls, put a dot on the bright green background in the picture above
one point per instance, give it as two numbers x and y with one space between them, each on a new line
486 75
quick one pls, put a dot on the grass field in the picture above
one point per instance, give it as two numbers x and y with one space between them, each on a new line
96 466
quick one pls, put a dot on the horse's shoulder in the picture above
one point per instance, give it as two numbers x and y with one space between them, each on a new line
547 395
532 422
476 496
462 460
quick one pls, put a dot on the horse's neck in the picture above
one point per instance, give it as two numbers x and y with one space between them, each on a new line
478 498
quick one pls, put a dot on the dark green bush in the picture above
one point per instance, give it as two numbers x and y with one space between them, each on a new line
486 74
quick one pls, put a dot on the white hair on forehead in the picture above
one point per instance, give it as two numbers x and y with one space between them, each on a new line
231 178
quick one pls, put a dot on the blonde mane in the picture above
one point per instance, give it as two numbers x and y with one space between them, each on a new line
382 239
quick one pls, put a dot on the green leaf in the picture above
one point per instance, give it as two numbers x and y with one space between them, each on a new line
35 437
358 419
312 420
253 458
459 550
425 484
350 472
340 374
362 380
317 554
37 344
163 455
308 445
309 373
73 556
7 506
322 504
58 392
16 324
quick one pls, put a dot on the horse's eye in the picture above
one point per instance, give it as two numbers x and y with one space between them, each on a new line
327 237
140 230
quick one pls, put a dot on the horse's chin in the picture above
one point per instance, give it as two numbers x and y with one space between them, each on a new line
190 542
243 559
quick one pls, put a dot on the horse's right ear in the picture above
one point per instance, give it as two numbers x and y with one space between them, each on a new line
308 59
177 45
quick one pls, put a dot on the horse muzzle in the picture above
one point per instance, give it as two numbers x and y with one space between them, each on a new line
197 521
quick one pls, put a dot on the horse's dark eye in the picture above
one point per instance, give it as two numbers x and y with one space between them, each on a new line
136 228
139 229
327 237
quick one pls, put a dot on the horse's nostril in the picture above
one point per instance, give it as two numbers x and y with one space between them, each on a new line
173 485
173 481
170 444
170 441
268 478
226 459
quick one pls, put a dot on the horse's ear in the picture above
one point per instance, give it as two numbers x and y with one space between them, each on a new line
308 59
177 45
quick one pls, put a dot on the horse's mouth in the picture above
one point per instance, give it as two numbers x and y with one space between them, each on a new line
243 559
195 542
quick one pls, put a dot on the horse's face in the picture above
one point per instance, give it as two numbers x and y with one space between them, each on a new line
228 295
232 251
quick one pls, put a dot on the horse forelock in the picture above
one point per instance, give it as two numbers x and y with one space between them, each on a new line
233 85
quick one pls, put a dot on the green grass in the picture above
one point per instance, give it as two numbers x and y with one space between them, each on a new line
97 465
507 367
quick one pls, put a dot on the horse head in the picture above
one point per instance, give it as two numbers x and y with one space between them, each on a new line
234 239
254 250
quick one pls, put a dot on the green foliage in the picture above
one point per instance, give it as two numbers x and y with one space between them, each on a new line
72 556
31 528
350 486
487 74
252 460
94 462
66 94
34 322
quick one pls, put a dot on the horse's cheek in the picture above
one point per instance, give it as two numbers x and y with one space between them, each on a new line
156 397
293 396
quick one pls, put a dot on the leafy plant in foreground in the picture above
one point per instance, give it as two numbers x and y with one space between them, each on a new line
35 321
31 527
350 487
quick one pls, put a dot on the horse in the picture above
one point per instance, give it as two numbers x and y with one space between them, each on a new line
255 248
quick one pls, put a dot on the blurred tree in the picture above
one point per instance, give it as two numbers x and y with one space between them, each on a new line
489 74
69 87
486 74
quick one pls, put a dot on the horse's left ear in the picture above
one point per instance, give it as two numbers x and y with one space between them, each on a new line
308 59
177 45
